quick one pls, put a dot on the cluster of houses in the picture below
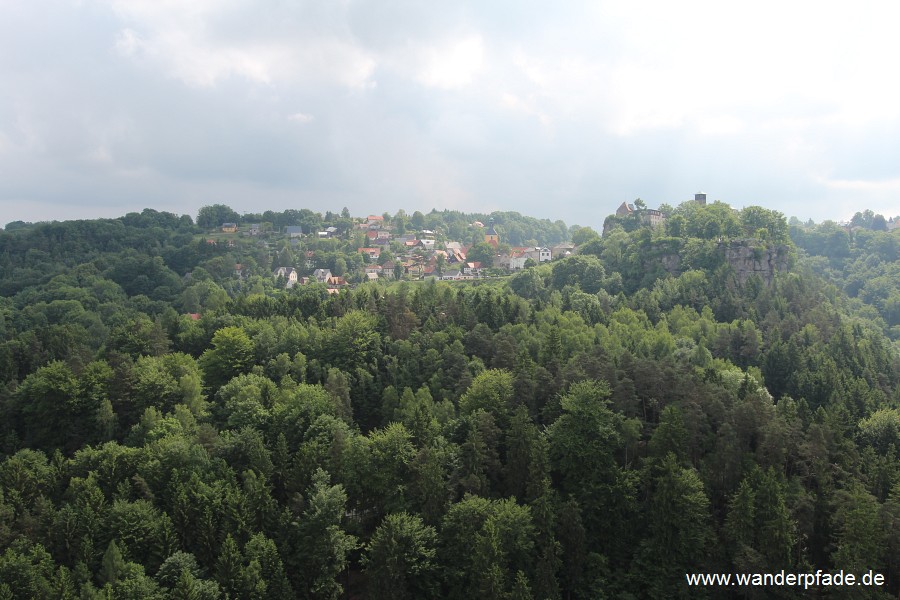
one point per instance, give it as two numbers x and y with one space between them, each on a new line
291 277
422 256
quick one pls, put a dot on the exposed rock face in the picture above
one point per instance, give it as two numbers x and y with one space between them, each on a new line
747 260
746 257
672 264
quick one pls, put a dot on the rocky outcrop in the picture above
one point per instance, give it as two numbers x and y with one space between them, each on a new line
747 259
672 264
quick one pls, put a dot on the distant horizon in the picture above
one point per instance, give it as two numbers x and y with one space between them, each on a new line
336 210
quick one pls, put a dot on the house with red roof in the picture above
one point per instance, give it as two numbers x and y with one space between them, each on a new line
371 253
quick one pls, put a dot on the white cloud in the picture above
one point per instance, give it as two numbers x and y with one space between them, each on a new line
301 118
454 65
194 42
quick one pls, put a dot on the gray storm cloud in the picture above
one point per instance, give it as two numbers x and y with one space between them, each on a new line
111 106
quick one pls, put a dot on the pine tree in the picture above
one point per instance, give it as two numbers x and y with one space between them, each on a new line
265 553
186 587
521 590
113 564
230 569
321 540
488 561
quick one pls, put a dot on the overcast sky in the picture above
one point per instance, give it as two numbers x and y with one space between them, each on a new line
110 106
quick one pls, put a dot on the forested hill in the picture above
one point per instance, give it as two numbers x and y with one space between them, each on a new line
861 258
705 395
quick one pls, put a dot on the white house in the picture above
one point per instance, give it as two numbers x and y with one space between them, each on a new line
371 253
539 255
289 274
517 259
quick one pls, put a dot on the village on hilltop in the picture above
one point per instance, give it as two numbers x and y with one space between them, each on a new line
340 251
387 254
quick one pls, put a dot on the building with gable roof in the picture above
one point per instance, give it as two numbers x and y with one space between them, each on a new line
490 236
289 274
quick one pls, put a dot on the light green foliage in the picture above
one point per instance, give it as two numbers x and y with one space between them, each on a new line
239 578
772 223
54 397
583 235
585 271
190 587
25 477
492 391
138 337
143 533
164 381
173 568
711 221
882 429
301 405
263 551
212 216
231 355
529 283
248 400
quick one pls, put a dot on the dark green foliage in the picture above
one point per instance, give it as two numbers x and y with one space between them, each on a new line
585 444
319 547
484 543
595 427
400 559
679 532
212 217
483 253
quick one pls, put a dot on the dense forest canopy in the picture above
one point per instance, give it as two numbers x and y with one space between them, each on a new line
715 394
